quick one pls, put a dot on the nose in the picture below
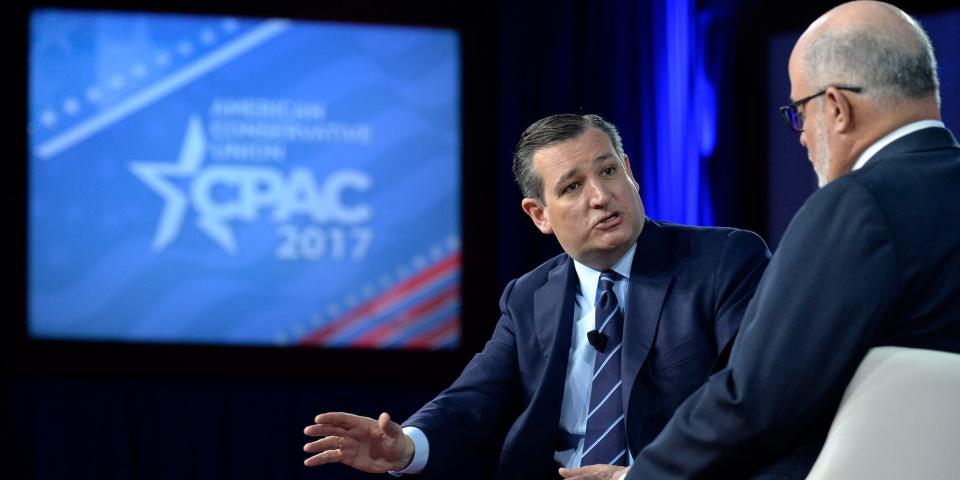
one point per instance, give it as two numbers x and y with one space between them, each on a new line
803 139
599 195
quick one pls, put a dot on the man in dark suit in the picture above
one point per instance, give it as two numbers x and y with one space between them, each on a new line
595 348
871 259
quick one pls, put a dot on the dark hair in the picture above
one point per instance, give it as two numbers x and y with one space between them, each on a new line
551 130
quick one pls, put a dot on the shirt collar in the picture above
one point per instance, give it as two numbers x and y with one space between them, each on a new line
894 135
589 277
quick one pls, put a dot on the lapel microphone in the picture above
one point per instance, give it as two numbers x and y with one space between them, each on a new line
597 340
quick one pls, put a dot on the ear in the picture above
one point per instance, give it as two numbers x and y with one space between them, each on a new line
626 166
839 110
538 213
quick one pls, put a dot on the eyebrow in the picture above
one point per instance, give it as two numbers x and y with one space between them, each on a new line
600 159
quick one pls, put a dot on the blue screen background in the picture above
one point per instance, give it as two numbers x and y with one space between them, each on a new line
243 181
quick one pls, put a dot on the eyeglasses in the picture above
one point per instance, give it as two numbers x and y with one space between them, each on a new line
794 116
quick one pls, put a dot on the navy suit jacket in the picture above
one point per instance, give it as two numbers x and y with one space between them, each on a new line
688 290
871 259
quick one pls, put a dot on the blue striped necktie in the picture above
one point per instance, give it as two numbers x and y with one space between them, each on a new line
605 441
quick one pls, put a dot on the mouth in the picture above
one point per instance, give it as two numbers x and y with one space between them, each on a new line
610 221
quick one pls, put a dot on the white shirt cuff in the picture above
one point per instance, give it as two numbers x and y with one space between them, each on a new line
421 451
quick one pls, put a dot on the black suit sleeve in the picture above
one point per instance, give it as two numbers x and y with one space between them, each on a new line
464 416
815 314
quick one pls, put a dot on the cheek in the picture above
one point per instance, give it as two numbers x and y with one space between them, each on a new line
575 226
560 217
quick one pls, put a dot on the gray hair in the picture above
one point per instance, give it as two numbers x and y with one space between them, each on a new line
885 65
551 130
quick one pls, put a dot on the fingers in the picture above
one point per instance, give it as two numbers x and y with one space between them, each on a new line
572 472
345 420
324 430
347 438
340 423
587 476
593 472
569 472
324 444
328 456
390 428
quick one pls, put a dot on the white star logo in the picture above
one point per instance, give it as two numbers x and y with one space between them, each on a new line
156 175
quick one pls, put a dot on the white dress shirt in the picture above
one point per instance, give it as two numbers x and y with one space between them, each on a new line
579 379
890 137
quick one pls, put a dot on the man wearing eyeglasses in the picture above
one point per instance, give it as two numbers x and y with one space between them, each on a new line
871 259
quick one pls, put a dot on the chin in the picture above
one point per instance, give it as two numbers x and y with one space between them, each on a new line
821 171
612 251
822 180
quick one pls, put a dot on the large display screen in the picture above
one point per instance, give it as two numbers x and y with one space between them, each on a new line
211 180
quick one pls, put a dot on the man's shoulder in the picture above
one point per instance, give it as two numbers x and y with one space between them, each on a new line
718 236
541 274
692 230
928 156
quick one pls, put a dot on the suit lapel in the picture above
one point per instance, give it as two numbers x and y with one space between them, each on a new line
649 284
553 309
553 306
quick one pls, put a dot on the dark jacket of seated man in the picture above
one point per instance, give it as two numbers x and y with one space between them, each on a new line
688 288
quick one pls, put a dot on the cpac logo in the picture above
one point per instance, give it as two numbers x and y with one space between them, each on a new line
224 193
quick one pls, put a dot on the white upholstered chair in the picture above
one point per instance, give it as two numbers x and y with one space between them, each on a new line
899 419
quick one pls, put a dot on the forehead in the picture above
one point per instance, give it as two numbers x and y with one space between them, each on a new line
798 84
580 151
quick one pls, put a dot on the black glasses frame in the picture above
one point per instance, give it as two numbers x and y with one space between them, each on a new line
792 115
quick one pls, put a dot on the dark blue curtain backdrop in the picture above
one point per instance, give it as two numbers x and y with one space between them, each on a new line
653 68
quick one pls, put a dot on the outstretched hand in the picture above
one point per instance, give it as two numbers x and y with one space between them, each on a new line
374 446
594 472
